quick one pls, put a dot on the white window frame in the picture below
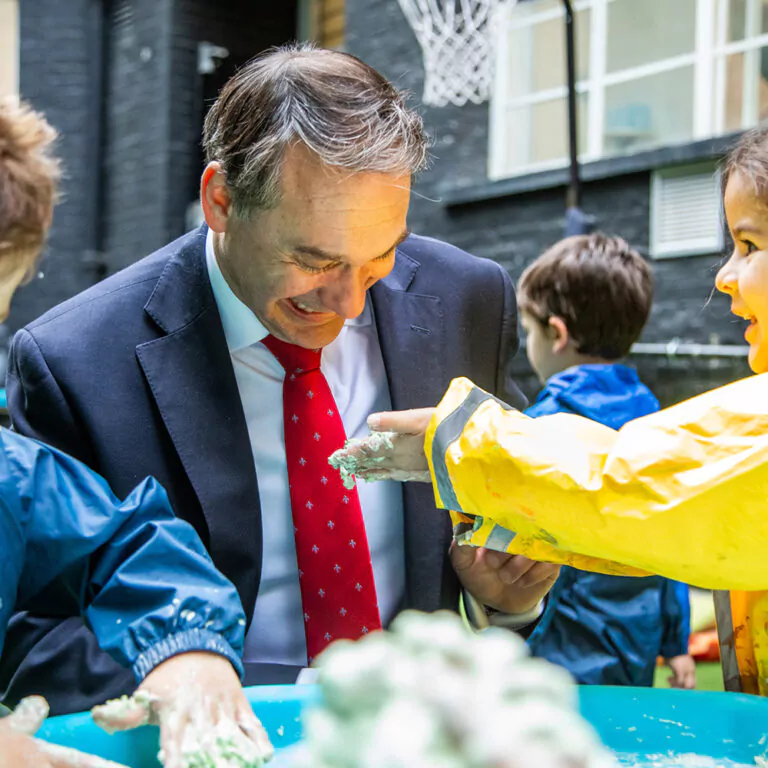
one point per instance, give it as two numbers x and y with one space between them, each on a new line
708 60
10 56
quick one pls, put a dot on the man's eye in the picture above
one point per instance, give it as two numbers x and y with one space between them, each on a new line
315 270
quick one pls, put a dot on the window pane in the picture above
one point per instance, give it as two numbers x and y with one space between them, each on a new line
537 60
746 89
739 26
539 133
647 31
649 111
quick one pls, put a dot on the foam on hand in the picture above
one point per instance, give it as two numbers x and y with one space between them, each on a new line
360 455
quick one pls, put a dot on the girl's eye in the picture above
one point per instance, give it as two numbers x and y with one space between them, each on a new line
750 246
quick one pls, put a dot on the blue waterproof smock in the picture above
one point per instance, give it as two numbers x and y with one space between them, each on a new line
608 630
141 576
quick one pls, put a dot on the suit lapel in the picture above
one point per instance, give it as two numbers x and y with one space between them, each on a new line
410 328
190 373
411 335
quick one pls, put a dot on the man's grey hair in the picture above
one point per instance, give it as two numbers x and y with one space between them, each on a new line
340 108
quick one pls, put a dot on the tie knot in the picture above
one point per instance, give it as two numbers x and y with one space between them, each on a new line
293 358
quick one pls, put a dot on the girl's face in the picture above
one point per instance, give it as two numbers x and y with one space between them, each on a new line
745 276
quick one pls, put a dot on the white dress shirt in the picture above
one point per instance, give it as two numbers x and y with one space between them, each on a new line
354 369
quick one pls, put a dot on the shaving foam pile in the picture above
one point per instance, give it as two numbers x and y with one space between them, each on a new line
432 693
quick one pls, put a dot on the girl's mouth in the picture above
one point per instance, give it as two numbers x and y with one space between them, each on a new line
751 328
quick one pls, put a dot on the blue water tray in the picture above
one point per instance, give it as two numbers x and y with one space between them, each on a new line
641 722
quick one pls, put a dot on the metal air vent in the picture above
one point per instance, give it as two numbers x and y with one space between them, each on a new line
685 212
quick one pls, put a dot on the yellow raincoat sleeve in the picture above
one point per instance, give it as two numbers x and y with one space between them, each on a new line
682 492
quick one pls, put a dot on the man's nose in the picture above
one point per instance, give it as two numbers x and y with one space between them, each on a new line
727 276
345 293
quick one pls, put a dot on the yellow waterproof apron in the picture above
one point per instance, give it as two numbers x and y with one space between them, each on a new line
682 493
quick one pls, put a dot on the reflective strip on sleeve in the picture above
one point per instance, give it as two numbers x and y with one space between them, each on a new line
499 539
447 432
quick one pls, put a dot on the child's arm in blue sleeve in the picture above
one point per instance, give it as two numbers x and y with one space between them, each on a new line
143 579
675 617
12 546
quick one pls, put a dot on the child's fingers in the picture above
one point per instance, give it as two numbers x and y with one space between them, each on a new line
28 716
410 422
398 475
123 714
382 456
254 730
64 757
216 731
175 722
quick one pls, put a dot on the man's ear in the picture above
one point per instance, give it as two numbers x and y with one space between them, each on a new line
215 198
558 332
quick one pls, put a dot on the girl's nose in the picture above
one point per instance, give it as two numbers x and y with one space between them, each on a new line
727 276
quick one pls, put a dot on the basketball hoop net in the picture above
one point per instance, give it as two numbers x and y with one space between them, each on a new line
456 39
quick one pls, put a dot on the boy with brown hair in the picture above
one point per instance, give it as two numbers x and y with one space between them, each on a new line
584 302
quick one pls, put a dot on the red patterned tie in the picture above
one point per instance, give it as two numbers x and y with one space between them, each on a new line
338 593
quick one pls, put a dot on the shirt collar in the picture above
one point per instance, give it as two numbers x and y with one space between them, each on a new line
241 327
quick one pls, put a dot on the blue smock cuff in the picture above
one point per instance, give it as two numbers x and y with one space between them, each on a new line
185 642
671 650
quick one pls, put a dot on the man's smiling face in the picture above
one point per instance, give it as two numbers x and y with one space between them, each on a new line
305 266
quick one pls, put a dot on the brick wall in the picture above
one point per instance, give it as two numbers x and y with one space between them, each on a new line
56 76
244 28
515 229
138 133
127 190
154 101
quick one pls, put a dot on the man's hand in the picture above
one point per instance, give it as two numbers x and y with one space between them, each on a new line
683 672
199 704
393 451
508 583
19 750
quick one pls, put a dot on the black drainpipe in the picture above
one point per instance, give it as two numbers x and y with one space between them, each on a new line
574 190
94 257
576 221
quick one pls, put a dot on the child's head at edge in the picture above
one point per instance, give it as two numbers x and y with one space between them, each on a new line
744 277
585 300
29 177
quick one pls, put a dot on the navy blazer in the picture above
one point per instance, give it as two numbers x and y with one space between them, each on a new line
133 377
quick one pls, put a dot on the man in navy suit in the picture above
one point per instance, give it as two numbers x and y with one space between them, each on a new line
176 368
